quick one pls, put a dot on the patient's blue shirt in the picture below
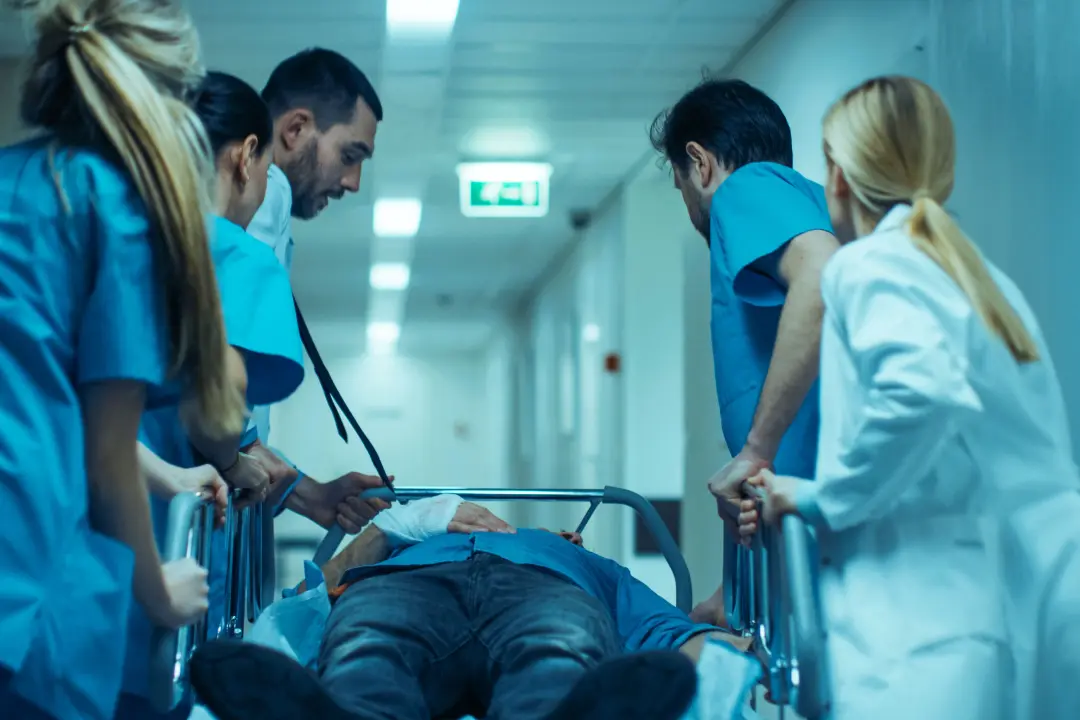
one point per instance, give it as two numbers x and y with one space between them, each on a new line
644 620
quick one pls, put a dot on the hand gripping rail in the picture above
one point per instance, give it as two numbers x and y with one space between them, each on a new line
249 585
608 496
191 521
771 596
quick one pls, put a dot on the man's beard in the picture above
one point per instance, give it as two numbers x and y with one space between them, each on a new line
303 174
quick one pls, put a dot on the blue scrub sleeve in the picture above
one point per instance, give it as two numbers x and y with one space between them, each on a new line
260 318
756 213
123 334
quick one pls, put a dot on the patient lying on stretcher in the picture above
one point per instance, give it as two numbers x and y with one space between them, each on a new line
441 609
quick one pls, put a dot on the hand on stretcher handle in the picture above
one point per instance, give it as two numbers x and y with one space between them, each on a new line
189 513
754 491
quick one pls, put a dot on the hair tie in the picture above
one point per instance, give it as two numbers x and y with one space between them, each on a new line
921 195
76 30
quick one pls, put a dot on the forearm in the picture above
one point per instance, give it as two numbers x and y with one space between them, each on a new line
119 508
303 499
284 477
793 369
370 547
692 648
221 452
157 473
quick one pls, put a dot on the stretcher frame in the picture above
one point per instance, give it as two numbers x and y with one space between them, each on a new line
250 579
771 596
249 585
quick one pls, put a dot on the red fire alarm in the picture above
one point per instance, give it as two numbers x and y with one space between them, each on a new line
612 362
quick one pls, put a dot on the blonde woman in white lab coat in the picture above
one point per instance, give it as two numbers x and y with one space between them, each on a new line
943 441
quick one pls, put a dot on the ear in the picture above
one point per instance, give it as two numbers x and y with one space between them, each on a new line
296 126
234 157
838 181
248 150
701 163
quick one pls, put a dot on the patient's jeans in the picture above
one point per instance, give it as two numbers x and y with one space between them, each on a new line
502 641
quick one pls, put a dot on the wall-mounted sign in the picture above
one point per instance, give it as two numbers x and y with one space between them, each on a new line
504 190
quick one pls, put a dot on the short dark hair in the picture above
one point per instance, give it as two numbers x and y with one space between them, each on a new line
733 120
323 81
231 110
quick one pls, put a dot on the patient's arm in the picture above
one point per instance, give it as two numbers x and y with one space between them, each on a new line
415 524
368 548
692 648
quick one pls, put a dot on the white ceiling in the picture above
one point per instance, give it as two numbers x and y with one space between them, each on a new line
571 82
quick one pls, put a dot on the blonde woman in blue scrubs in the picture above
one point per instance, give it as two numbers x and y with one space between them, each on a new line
260 323
108 305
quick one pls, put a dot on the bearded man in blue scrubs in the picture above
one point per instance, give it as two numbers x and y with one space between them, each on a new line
769 236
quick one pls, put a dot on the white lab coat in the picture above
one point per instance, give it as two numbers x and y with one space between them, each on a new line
930 434
272 225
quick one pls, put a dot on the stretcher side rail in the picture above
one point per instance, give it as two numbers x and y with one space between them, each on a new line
810 681
771 596
248 534
607 496
190 522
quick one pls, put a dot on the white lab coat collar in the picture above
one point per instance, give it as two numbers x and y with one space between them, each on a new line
893 219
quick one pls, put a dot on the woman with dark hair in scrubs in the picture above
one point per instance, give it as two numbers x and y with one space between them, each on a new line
260 323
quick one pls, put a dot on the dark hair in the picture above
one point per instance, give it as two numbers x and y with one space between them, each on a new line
231 110
733 120
323 81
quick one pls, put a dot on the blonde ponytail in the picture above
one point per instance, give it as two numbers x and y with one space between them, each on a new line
893 139
111 74
938 235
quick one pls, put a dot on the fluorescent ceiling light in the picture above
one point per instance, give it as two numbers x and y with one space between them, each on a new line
389 276
590 333
381 348
504 189
383 332
397 217
421 17
498 142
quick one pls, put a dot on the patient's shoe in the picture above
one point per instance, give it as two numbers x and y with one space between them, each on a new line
656 685
242 681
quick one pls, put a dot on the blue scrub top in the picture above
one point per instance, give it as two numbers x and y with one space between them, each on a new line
754 215
260 322
79 304
260 318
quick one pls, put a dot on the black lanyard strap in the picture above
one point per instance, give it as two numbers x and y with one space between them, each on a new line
334 399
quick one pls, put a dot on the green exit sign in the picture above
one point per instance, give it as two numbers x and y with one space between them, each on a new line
504 194
504 189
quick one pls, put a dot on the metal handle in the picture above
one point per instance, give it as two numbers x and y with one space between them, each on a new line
684 593
770 594
187 536
609 495
811 686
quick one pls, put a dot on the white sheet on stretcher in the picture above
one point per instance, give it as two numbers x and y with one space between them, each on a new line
294 626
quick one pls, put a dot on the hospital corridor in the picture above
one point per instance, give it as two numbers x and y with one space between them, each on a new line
539 360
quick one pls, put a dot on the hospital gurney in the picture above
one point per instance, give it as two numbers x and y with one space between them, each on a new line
770 595
250 586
